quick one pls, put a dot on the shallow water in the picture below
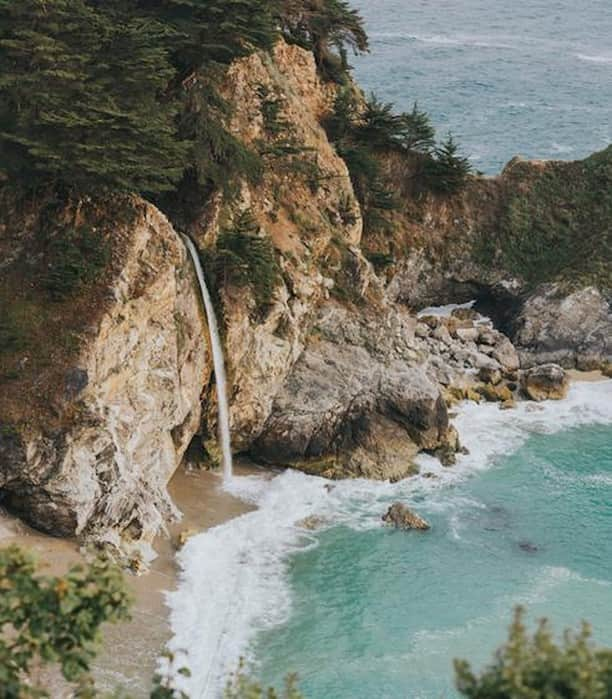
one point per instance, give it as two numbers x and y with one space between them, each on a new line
360 611
528 77
383 613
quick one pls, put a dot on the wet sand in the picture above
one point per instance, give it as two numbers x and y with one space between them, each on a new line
130 650
590 376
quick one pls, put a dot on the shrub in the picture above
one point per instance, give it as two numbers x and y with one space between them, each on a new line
242 686
73 257
537 668
53 620
244 258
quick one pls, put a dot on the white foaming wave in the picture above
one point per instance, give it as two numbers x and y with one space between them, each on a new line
603 59
490 433
444 40
234 577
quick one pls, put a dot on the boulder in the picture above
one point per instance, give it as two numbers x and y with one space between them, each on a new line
493 394
399 516
355 404
465 314
490 375
506 354
545 382
572 329
467 334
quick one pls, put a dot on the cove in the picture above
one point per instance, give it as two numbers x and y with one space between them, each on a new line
383 613
358 610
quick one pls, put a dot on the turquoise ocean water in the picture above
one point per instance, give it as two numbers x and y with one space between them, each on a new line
528 77
361 611
380 613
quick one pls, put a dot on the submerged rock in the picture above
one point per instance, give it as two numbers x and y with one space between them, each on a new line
546 382
401 517
528 546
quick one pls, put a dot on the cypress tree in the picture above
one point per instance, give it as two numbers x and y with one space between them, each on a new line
78 95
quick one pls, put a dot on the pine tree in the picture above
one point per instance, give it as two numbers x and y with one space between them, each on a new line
213 31
447 171
327 27
78 89
420 134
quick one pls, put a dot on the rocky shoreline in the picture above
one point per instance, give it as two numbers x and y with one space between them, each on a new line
337 372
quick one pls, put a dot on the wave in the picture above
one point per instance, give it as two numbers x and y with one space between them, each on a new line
234 578
443 40
603 59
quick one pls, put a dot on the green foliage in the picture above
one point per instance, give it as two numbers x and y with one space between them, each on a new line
244 258
219 159
213 31
73 257
78 96
420 134
555 223
53 620
447 171
537 668
242 686
326 27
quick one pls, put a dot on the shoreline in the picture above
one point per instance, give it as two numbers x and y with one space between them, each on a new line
130 651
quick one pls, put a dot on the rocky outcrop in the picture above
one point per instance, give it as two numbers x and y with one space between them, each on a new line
571 329
128 407
545 382
339 374
399 516
358 401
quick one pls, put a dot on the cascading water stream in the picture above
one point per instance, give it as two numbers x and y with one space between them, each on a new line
218 362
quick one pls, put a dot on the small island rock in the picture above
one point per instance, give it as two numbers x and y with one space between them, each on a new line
401 517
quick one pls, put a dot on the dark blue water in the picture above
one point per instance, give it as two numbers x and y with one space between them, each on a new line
528 77
379 613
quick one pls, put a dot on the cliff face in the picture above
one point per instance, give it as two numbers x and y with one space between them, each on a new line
89 440
335 375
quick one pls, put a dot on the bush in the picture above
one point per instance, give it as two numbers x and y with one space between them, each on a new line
242 686
244 258
537 668
73 257
53 620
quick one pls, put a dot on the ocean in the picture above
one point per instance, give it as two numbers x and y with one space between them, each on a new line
361 611
527 77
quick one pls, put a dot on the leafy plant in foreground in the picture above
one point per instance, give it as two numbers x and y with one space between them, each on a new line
48 620
537 668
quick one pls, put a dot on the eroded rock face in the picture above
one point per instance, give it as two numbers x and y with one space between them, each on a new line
573 330
545 382
399 516
357 402
130 405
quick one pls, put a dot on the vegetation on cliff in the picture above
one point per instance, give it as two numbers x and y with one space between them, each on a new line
555 222
122 95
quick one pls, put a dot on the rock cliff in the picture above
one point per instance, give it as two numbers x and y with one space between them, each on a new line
105 387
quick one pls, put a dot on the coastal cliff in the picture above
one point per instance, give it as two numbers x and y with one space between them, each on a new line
331 370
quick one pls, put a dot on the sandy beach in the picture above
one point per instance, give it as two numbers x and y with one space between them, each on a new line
128 657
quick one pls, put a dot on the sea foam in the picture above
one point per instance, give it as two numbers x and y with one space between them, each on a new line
234 577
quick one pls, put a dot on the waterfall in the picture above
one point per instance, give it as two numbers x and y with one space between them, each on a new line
218 362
